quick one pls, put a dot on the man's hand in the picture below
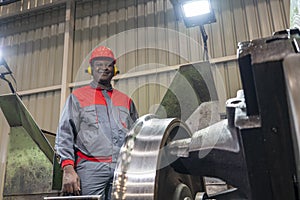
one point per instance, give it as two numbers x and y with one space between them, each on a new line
71 181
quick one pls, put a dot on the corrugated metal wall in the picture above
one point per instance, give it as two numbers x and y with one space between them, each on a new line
23 5
144 35
32 45
33 48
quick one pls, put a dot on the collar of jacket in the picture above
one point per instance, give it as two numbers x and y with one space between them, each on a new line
100 86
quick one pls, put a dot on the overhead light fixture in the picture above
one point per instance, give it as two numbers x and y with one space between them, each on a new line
194 12
195 8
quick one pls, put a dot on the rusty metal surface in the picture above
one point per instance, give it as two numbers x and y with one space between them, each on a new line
17 115
30 155
28 170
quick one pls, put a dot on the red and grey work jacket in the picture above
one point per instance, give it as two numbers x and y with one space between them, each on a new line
93 124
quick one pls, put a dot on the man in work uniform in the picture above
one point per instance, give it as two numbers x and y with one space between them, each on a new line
92 129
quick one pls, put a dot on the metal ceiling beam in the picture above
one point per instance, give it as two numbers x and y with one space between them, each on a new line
31 11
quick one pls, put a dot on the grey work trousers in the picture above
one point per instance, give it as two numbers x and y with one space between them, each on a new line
96 178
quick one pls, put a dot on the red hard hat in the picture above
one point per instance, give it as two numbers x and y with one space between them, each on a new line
103 52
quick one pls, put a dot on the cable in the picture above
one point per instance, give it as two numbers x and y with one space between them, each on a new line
2 76
9 72
204 37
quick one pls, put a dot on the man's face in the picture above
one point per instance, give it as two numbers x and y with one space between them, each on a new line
103 71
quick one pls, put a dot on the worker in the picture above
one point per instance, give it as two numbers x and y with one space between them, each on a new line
92 128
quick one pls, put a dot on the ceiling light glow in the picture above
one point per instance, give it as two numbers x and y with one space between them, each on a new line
196 8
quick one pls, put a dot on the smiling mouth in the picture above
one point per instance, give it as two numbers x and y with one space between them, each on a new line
103 72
